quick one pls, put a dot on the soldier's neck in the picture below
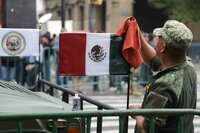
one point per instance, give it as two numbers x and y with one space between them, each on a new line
168 62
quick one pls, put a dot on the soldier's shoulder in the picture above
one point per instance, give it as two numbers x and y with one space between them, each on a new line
172 78
169 77
189 62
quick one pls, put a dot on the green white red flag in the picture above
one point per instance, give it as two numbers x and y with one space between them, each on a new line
92 54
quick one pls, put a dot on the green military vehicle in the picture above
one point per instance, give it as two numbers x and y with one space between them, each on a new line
15 99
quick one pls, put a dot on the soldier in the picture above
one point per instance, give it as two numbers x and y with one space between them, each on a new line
176 83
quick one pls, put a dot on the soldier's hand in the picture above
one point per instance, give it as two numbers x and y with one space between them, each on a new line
134 107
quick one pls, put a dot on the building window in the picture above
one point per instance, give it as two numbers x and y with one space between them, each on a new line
70 14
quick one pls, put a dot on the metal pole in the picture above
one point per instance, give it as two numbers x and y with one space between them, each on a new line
92 17
19 126
127 105
39 71
63 13
99 122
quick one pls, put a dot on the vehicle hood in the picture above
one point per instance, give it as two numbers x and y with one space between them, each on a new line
15 98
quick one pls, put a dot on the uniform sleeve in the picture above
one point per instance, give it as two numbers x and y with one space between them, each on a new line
155 64
162 96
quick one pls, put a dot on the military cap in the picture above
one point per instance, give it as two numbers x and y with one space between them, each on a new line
175 33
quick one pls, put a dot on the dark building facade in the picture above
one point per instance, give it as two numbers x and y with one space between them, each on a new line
18 13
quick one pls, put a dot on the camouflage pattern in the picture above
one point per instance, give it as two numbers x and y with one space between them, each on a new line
175 33
174 87
174 80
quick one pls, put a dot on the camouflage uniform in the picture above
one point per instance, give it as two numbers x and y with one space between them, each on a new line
174 87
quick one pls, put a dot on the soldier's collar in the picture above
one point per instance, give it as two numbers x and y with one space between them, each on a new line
173 68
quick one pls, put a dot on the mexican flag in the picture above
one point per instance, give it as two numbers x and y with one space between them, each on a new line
92 54
19 42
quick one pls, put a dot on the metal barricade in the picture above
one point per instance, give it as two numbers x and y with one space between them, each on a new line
121 113
101 113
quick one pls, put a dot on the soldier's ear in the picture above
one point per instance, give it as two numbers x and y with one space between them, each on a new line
163 47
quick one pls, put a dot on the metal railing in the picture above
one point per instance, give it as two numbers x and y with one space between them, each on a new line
123 123
65 98
122 114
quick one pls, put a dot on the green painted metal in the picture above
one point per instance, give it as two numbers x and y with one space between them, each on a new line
88 124
121 124
152 124
103 113
180 124
19 126
96 113
55 130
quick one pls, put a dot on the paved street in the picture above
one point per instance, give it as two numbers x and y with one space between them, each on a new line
111 124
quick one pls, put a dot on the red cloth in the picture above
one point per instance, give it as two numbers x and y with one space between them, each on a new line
131 46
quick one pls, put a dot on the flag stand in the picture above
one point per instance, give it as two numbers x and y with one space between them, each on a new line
127 104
